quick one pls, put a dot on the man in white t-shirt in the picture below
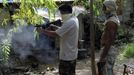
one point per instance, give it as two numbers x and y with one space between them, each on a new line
68 34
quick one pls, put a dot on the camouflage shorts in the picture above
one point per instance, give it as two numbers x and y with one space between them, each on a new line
111 57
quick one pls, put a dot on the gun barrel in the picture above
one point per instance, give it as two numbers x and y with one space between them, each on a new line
57 23
43 26
38 26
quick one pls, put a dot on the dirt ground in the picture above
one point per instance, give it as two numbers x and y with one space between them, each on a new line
83 68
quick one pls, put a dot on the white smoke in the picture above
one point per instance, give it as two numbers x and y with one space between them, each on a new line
24 43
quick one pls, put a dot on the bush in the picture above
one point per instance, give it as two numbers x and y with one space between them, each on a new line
129 50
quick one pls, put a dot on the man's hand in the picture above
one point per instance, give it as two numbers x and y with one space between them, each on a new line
38 29
54 27
105 50
47 31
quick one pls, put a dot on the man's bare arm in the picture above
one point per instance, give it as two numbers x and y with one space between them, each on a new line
50 33
108 38
47 32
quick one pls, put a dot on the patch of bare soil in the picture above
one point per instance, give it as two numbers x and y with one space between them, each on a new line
119 66
83 68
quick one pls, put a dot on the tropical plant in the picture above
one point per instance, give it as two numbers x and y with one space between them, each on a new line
4 46
27 10
25 13
128 50
86 3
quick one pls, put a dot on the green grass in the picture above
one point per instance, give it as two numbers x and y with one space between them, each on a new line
128 50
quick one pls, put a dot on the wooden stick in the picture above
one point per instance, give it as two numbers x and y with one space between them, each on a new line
92 39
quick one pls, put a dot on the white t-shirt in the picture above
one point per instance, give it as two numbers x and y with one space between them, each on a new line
68 33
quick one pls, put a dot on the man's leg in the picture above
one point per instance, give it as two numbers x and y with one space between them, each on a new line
101 68
73 67
111 60
110 65
67 67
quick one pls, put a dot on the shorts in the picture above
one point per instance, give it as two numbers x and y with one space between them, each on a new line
67 67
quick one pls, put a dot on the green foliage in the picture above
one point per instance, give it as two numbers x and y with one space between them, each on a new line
26 10
124 36
27 14
5 50
128 50
84 3
96 6
4 2
121 30
4 14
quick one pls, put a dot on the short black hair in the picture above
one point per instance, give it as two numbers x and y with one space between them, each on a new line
65 9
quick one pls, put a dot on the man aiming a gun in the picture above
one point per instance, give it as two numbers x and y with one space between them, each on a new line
68 34
109 52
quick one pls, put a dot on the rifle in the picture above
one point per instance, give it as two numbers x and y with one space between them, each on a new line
44 26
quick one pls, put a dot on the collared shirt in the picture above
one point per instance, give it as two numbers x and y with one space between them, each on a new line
68 33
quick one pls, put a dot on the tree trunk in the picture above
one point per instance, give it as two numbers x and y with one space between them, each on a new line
92 39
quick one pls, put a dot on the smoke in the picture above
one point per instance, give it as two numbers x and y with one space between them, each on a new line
24 44
23 41
1 37
2 34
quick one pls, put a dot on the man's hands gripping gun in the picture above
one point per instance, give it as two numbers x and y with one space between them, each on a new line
56 23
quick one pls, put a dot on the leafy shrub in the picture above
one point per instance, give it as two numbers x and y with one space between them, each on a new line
129 50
